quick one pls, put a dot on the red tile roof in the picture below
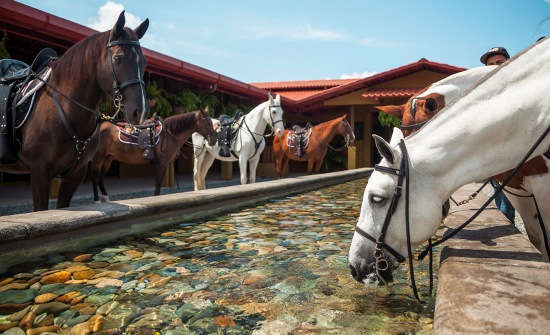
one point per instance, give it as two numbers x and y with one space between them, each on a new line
297 95
390 92
303 84
422 64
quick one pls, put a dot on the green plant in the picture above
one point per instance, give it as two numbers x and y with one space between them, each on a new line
3 50
388 120
161 104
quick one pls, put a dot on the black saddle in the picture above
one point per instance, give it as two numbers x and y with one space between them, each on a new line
13 69
14 75
226 134
298 130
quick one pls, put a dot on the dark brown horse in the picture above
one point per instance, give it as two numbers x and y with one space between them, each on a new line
176 131
319 140
104 63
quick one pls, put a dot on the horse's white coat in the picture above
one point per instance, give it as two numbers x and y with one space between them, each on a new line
264 114
485 132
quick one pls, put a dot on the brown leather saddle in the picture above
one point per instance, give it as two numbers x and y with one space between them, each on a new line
298 139
145 136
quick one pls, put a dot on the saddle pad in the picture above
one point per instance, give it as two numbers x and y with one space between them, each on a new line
298 143
129 135
25 104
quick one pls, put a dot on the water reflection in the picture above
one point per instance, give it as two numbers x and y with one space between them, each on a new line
277 268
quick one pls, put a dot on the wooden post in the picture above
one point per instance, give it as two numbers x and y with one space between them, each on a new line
54 188
352 150
227 170
367 139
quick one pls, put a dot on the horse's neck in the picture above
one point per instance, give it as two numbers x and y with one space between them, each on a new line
80 82
454 86
255 119
330 129
491 128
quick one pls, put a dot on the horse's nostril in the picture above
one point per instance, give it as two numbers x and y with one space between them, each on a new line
353 272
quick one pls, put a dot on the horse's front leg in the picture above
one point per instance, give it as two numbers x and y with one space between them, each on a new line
253 165
243 163
206 164
40 181
160 171
310 163
69 185
196 171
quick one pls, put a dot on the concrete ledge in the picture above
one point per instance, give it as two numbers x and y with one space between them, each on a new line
25 237
491 279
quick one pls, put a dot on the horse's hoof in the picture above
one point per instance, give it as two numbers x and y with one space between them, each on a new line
105 198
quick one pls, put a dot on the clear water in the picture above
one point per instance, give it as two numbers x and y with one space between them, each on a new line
277 268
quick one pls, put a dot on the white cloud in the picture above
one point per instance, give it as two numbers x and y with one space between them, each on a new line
108 14
293 32
377 43
357 75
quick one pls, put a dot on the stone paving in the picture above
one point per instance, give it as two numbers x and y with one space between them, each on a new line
491 279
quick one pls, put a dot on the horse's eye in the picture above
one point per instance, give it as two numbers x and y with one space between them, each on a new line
376 199
117 59
431 104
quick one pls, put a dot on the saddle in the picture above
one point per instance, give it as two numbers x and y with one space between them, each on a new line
298 139
226 133
18 86
146 136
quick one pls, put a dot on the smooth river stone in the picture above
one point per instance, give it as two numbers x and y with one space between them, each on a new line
17 296
68 297
6 281
83 258
46 297
57 277
14 286
54 307
77 268
85 274
97 299
14 331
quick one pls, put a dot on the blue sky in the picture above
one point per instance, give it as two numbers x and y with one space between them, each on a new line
295 40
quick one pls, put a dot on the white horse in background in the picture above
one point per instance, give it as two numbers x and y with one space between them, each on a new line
248 143
485 132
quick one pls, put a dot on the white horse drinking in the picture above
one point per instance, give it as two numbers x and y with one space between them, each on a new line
484 133
247 145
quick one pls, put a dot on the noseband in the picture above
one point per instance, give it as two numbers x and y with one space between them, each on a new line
117 86
381 261
412 107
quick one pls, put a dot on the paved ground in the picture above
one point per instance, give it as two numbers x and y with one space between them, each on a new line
491 278
15 199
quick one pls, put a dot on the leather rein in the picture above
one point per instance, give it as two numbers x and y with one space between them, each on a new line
382 263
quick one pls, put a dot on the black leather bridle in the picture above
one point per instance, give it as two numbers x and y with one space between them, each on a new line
412 108
382 263
117 86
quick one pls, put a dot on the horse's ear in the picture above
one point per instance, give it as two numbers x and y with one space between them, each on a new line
395 110
205 111
278 98
270 97
384 148
118 28
396 137
142 28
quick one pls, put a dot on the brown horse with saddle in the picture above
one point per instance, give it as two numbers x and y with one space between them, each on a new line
157 142
310 143
57 133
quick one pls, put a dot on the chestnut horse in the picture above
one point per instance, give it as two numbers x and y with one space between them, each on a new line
61 135
177 129
529 183
321 135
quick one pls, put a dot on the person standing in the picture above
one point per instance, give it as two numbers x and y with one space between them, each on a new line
497 56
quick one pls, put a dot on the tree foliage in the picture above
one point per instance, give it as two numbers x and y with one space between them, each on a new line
388 120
